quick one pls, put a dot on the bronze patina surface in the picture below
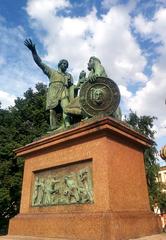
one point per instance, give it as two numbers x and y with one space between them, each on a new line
60 90
101 97
63 185
69 103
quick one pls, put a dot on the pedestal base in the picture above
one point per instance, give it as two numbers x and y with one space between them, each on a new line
91 226
117 207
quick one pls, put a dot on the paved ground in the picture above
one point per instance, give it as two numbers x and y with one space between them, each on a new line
154 237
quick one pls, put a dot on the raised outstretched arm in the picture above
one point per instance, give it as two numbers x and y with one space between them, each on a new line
31 46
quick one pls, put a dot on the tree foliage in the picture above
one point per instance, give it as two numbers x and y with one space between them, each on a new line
19 125
144 125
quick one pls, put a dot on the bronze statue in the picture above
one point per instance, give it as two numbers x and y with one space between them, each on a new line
96 69
98 94
60 90
93 95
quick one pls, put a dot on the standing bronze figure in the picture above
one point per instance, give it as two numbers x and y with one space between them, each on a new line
60 90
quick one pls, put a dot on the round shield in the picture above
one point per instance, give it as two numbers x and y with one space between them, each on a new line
101 97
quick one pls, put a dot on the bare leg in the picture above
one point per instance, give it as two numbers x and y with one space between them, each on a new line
66 120
53 119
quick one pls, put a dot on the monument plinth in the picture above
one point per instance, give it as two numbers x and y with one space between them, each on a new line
86 183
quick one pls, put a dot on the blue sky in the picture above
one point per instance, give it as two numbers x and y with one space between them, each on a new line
127 35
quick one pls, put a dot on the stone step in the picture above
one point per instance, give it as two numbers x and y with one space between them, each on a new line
161 236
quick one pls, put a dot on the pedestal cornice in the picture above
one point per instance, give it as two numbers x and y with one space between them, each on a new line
105 126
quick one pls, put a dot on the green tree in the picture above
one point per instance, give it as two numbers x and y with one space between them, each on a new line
144 125
19 125
162 201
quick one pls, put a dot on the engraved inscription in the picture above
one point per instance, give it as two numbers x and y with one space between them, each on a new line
56 187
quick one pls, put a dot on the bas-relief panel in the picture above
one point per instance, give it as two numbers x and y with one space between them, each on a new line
69 184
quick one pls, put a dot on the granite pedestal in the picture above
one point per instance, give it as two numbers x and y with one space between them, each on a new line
120 207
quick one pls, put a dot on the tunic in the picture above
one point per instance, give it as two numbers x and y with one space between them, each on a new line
58 87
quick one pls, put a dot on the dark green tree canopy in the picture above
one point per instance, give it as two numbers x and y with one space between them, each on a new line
19 125
144 125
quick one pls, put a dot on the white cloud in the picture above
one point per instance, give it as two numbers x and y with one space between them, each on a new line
160 23
125 92
6 99
155 28
77 38
126 95
151 98
42 9
142 25
108 3
140 76
17 71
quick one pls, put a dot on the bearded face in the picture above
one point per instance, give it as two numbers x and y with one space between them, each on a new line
98 96
90 64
